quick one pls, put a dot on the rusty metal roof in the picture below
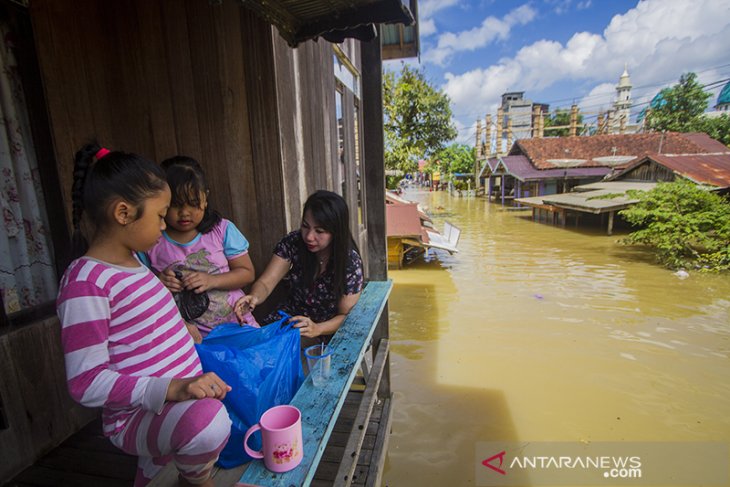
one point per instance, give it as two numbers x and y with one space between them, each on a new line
402 220
711 169
301 20
596 150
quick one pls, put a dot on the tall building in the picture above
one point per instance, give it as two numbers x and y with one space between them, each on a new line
622 105
519 110
619 115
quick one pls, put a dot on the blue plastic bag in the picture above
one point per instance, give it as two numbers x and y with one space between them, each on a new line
263 368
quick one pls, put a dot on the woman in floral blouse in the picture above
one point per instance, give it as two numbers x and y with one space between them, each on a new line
323 267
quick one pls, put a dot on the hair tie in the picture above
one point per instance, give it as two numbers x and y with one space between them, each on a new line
101 153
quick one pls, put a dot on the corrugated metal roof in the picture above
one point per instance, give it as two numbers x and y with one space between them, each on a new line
301 20
616 186
712 169
590 201
402 220
521 168
593 149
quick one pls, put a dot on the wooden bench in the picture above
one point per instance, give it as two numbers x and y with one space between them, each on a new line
321 407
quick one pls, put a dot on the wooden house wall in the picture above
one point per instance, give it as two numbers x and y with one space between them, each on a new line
166 78
649 171
305 86
39 413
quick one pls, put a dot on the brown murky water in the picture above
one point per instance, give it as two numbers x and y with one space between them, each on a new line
538 333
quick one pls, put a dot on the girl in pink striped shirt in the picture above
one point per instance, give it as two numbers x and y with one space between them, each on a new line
125 343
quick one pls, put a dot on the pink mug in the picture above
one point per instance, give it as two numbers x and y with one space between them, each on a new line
281 434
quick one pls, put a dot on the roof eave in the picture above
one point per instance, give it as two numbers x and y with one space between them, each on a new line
344 18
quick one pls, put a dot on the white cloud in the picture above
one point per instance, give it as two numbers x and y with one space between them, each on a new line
491 29
426 10
426 27
563 6
659 39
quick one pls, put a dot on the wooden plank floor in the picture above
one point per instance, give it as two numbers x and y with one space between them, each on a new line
88 459
332 455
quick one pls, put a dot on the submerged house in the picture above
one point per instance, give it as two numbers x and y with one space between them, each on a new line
708 169
546 166
252 89
411 233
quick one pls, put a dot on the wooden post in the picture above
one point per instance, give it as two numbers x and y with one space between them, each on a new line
478 142
500 121
491 188
599 123
609 122
478 150
509 134
373 159
488 136
374 191
502 184
610 222
573 120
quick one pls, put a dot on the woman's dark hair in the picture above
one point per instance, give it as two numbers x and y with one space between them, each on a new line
329 211
187 182
98 182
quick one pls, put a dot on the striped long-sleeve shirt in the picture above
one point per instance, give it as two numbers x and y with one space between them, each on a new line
123 339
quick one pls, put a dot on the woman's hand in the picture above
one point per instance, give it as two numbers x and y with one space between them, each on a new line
244 306
307 327
199 281
200 387
194 332
170 281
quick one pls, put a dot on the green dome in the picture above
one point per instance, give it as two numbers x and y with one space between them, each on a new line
724 97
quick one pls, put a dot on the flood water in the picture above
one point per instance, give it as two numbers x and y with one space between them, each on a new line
538 333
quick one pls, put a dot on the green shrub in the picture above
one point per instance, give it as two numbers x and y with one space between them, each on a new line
686 225
391 182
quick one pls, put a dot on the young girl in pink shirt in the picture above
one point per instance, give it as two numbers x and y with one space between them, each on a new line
125 344
199 250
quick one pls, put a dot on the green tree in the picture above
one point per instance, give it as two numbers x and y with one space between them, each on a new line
681 108
686 225
560 118
716 127
417 119
457 158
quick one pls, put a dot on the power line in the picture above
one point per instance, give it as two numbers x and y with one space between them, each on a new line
609 96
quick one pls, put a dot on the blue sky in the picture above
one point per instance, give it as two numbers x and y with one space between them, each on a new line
565 51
